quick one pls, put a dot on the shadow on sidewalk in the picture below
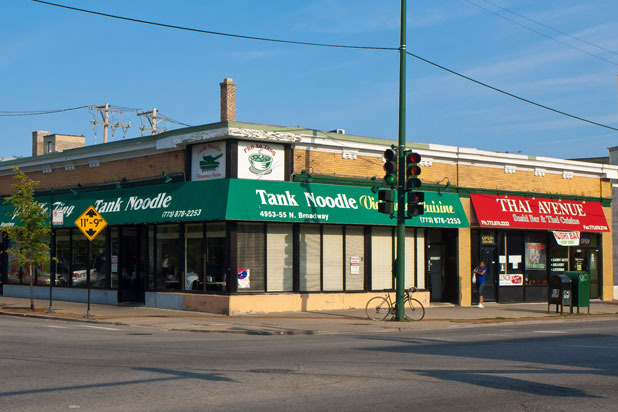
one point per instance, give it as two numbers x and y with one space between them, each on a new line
336 315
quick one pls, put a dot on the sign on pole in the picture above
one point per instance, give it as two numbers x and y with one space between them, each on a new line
91 223
57 218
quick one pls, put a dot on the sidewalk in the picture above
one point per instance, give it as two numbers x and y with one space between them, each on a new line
438 316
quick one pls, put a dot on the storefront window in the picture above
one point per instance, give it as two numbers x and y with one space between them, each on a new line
589 239
152 271
80 264
99 261
42 271
194 256
216 269
420 259
63 256
16 273
279 257
250 257
332 238
558 257
381 258
354 257
511 258
536 259
115 257
168 257
409 257
310 258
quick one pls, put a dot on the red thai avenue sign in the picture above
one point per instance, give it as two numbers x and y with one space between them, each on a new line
538 213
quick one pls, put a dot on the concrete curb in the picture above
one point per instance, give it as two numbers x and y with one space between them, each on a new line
47 317
261 331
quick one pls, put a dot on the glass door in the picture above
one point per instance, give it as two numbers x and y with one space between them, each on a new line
592 266
488 255
216 274
131 264
435 269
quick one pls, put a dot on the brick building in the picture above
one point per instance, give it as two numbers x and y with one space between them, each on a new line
233 217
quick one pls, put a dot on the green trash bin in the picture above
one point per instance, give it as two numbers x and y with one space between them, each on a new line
580 286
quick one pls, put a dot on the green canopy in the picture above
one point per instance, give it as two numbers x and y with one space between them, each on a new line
239 199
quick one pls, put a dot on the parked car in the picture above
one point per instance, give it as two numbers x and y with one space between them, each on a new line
79 276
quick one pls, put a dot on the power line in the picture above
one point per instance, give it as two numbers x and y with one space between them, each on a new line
37 112
359 47
239 36
510 94
18 113
177 122
551 28
541 33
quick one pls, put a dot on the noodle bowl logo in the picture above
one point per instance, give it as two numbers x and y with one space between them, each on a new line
261 163
261 159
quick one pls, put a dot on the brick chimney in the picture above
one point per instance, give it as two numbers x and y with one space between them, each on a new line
228 100
37 142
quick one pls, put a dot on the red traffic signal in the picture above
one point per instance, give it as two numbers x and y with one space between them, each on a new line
413 157
413 170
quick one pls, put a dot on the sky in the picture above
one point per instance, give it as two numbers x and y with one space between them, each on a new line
53 58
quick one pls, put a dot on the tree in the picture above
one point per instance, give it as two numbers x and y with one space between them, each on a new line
30 232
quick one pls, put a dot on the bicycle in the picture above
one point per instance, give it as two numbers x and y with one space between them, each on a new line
378 308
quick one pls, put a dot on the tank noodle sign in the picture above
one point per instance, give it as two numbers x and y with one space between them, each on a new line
316 203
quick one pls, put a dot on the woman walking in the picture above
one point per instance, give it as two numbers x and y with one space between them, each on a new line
480 272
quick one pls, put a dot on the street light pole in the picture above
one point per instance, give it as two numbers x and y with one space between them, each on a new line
401 175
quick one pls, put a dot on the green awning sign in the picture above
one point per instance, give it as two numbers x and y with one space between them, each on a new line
253 200
318 203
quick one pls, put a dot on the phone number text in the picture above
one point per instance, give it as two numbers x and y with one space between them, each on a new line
182 213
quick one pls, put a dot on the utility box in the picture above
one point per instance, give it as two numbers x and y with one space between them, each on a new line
559 292
580 286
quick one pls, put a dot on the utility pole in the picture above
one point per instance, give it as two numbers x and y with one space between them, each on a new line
105 111
153 117
401 175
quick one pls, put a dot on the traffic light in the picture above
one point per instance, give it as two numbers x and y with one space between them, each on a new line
386 201
390 167
416 203
413 171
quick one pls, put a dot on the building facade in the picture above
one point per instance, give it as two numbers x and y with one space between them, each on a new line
233 217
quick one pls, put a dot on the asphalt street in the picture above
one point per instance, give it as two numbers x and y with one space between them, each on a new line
49 365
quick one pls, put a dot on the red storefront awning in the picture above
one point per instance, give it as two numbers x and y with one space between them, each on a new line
538 213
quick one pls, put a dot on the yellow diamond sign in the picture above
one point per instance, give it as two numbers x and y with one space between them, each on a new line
91 223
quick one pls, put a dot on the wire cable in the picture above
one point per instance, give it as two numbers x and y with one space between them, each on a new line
169 119
356 47
551 28
38 112
541 34
239 36
510 94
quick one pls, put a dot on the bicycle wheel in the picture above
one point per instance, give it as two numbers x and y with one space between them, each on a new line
414 309
377 308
